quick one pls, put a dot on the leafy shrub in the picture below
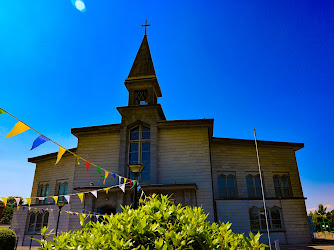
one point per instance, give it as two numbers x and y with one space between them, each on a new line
158 224
7 239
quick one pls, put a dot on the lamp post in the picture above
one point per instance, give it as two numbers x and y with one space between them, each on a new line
136 169
60 206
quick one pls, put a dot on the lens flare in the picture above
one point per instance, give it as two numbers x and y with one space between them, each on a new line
79 4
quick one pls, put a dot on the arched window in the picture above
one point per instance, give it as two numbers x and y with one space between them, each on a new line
37 221
61 190
226 186
254 186
43 193
282 186
258 220
139 149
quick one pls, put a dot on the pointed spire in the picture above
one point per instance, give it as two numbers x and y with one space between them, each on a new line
143 64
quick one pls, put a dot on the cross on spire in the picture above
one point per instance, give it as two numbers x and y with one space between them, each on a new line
145 25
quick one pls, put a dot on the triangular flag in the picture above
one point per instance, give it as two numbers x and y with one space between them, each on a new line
28 201
99 170
77 213
104 216
2 111
106 173
18 207
87 167
90 216
55 198
24 208
97 216
41 198
4 201
125 180
113 175
39 140
94 193
78 160
134 183
120 180
60 153
130 182
138 188
60 212
107 190
42 210
35 209
122 186
29 208
11 206
51 209
142 193
17 201
67 197
19 128
80 196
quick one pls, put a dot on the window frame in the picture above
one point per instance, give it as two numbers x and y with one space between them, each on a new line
282 194
254 187
45 216
61 192
224 194
140 151
43 191
270 220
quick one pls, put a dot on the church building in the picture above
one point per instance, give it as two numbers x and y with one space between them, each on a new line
182 158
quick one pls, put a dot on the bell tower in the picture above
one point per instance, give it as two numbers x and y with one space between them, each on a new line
142 83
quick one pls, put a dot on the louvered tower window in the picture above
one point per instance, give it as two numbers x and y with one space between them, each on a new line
141 97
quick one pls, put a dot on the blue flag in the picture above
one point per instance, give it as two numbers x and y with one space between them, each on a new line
39 140
138 188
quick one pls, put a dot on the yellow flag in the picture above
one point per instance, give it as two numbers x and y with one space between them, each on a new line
107 190
106 173
18 207
51 210
29 201
90 216
29 208
104 216
125 180
19 128
4 201
77 213
78 160
60 153
80 196
55 198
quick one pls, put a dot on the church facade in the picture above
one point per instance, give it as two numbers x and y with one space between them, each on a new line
182 158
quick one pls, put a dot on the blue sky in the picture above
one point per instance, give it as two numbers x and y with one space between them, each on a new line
262 64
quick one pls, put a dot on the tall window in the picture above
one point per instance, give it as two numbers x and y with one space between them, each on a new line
139 149
258 219
61 190
226 186
37 221
43 193
282 186
254 186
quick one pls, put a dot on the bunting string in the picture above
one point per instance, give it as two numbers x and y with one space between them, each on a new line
20 127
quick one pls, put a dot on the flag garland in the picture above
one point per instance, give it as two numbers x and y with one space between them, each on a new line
21 127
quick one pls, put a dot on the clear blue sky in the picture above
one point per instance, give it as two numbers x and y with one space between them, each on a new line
262 64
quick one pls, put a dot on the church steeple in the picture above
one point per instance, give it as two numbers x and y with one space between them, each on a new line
142 82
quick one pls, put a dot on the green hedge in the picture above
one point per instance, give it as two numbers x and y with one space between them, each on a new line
7 239
158 224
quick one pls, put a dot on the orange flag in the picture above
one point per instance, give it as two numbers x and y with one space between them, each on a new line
60 153
106 173
19 128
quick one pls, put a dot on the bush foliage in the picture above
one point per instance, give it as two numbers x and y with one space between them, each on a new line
7 213
158 224
7 239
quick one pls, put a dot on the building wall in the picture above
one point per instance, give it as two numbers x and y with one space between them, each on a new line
241 160
103 150
184 157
